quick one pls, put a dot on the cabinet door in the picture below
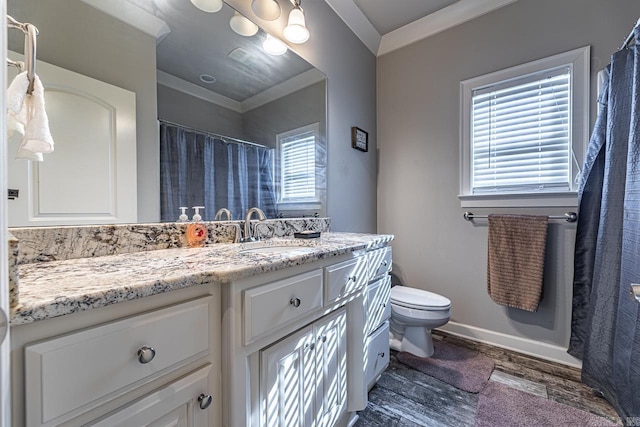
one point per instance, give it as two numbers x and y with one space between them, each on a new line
287 381
176 404
331 368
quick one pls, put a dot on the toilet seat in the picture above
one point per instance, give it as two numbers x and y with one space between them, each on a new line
418 299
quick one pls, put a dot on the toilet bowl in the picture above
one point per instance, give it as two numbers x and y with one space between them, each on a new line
414 313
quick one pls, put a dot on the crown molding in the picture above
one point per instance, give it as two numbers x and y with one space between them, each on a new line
351 14
189 88
137 17
441 20
287 87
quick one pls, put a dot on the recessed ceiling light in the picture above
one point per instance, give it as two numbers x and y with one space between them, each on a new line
207 78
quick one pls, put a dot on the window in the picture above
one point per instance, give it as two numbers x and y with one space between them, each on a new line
522 132
297 166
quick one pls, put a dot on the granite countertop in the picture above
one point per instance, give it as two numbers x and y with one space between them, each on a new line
57 288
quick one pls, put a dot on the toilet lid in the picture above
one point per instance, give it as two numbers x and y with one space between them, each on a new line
418 299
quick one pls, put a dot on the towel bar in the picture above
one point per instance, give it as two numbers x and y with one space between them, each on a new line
569 216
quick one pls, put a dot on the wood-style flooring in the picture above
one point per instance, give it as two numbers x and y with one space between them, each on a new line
406 397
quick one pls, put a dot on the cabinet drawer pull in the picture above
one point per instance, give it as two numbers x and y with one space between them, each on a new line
381 354
311 346
205 400
353 278
295 302
385 263
323 338
146 354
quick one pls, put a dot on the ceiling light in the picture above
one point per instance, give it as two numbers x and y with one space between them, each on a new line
269 10
242 25
207 78
273 46
210 6
296 30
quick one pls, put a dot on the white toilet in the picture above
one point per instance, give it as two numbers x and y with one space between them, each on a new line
414 313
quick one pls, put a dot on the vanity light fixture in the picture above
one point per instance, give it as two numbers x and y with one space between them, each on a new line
296 31
273 46
242 26
210 6
269 10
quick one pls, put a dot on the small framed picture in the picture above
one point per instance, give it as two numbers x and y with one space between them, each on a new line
359 139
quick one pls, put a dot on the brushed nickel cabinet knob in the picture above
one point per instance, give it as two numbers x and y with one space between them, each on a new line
146 354
205 400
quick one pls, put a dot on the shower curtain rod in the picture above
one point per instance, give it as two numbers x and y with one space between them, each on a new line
217 135
630 36
569 216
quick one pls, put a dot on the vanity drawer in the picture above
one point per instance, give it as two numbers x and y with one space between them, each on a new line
379 261
270 306
377 306
377 354
344 278
69 375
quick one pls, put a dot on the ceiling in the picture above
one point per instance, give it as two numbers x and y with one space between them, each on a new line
384 25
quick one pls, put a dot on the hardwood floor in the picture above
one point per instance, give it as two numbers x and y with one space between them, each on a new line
406 397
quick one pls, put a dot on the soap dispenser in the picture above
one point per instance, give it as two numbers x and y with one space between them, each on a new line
183 216
196 231
196 215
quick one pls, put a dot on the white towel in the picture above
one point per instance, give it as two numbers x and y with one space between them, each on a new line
29 117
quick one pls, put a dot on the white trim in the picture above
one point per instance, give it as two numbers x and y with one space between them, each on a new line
133 15
553 353
560 199
189 88
441 20
578 60
351 14
287 87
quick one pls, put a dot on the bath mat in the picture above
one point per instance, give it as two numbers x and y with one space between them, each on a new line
502 406
462 368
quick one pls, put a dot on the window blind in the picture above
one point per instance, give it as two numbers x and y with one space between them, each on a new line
521 134
298 167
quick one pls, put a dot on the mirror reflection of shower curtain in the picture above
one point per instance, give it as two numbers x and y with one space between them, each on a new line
605 327
197 169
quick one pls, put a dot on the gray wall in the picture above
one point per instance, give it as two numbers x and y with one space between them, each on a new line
418 130
197 113
79 38
301 108
351 101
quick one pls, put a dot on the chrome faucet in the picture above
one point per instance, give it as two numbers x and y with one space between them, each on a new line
247 225
222 211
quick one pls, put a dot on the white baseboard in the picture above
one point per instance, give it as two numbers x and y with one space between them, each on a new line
527 346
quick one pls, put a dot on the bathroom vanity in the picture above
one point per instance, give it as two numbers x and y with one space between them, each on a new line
283 332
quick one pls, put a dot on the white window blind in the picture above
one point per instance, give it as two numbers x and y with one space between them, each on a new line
521 134
298 167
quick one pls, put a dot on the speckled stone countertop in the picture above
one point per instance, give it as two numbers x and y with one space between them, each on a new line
58 288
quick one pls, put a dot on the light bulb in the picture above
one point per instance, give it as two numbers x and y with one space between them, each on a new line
273 46
269 10
242 25
210 6
296 30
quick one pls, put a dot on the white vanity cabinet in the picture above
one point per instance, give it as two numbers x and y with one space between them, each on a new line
377 313
155 364
303 377
286 337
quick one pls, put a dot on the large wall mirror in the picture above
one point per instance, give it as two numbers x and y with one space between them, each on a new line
156 104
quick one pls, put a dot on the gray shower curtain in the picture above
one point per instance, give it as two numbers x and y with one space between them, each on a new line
605 330
199 169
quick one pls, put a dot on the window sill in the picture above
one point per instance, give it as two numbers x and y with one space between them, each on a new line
564 199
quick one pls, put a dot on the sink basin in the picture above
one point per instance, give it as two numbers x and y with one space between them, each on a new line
277 250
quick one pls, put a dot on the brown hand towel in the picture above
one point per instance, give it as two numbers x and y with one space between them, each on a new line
516 259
